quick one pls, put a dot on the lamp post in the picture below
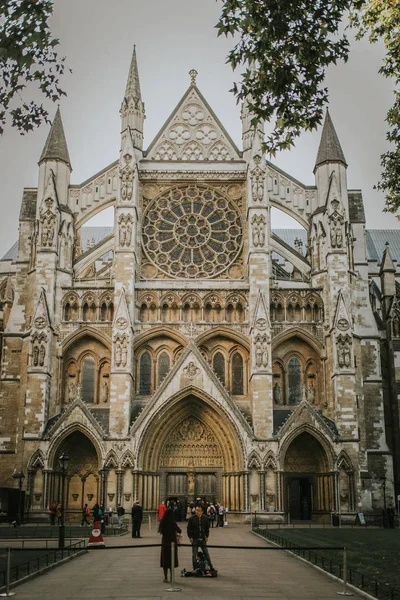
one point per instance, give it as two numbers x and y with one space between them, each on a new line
63 460
20 477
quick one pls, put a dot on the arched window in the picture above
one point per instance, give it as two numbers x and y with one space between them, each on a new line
163 366
229 313
67 312
103 312
85 312
237 375
111 312
164 313
219 366
145 374
88 379
240 313
143 313
294 380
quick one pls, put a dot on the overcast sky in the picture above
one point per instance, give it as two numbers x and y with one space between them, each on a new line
172 37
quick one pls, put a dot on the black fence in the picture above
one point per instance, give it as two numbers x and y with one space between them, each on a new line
334 566
22 567
52 531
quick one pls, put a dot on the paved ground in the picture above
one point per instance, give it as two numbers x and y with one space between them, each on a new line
124 574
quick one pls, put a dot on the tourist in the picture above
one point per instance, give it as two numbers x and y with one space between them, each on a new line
202 568
198 531
120 514
211 514
53 510
85 515
137 517
161 510
168 529
221 511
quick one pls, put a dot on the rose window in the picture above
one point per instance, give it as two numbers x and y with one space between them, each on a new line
192 232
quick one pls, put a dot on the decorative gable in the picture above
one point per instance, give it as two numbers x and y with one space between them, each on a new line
193 133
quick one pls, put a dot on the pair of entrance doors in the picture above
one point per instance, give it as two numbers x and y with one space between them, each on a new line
192 486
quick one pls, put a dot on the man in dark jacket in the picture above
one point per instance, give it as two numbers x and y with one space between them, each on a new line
198 529
137 516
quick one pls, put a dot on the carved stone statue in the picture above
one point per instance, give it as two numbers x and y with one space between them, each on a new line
104 392
122 234
127 185
259 353
42 354
347 354
311 394
304 392
35 359
339 237
128 233
71 391
190 483
257 188
265 353
277 393
118 354
258 230
124 354
79 391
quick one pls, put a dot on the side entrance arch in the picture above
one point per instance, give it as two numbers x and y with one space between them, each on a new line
309 485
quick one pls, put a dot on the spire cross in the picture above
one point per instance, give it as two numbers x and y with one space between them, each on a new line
193 74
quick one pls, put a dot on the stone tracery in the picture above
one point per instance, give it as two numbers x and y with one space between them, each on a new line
192 232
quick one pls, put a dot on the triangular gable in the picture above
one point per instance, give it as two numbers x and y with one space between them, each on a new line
192 372
342 319
261 317
41 316
305 414
77 412
50 190
193 132
122 319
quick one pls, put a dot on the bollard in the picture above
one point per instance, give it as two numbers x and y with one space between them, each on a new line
345 592
7 592
173 588
149 522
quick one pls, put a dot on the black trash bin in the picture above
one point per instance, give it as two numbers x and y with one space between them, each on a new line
335 520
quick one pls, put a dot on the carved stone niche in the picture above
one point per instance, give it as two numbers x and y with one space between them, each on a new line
90 497
37 497
75 497
111 497
127 497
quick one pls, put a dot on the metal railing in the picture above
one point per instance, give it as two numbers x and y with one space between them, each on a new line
11 573
372 586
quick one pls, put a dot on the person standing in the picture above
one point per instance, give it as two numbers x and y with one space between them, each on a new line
168 529
198 529
120 514
161 510
85 515
53 510
137 517
211 514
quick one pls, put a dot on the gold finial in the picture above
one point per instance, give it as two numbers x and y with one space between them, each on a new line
193 74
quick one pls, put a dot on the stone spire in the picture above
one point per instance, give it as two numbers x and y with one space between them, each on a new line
248 130
133 84
329 149
132 108
55 147
387 275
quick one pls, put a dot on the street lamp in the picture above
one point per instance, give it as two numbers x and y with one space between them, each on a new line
20 477
63 460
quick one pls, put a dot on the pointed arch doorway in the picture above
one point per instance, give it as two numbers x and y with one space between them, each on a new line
309 483
191 450
82 480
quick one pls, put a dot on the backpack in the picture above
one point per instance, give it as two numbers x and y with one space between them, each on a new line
99 513
212 512
122 510
87 511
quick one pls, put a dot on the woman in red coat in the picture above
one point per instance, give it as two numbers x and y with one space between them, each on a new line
168 529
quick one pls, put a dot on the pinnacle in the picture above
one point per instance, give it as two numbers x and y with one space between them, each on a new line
329 149
55 147
133 84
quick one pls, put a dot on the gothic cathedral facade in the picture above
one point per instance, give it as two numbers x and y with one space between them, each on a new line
191 351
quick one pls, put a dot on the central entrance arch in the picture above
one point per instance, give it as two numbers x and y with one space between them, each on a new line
192 449
309 484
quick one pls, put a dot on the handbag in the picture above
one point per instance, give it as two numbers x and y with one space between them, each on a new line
179 539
